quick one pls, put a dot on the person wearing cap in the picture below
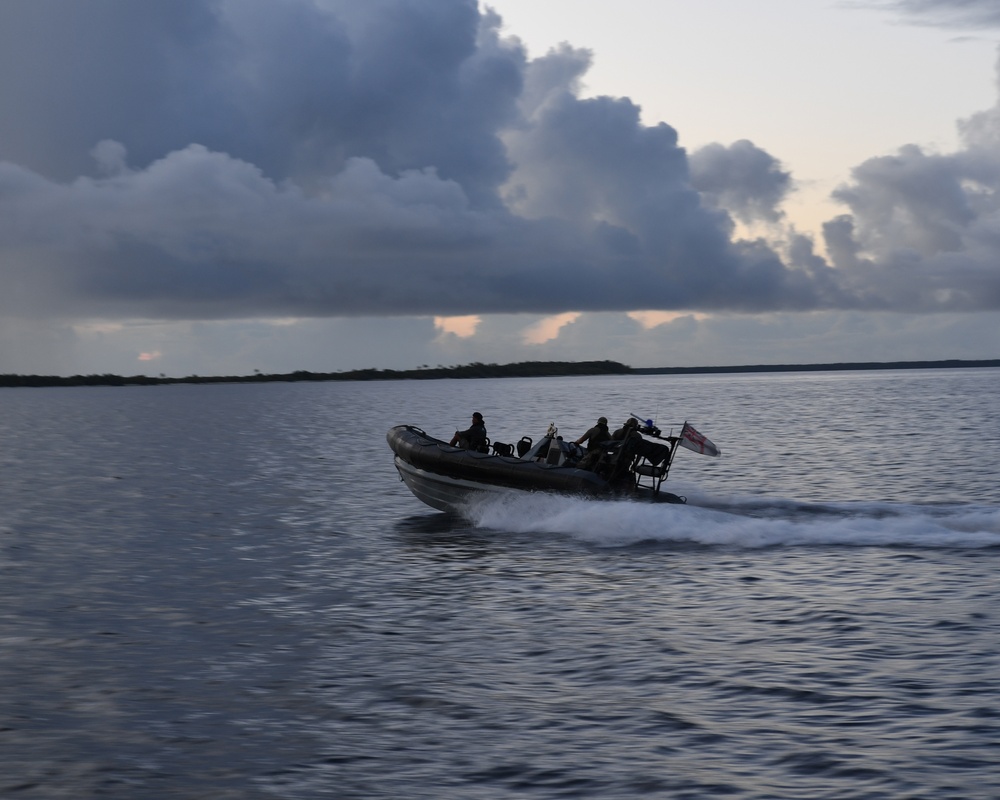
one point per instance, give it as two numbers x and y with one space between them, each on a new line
474 438
627 431
595 436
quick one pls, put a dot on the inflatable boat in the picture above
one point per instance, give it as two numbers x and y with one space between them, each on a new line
447 477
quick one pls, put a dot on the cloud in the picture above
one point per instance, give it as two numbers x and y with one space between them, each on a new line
547 329
924 229
653 319
745 180
175 163
462 327
974 14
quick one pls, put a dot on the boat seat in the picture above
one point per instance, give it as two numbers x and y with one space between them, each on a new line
555 456
501 449
524 446
656 473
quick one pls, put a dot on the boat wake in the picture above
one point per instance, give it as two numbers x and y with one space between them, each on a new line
741 522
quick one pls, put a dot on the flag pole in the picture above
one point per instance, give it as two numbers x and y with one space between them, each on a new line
674 445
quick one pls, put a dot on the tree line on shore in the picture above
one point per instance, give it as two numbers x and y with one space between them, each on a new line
522 369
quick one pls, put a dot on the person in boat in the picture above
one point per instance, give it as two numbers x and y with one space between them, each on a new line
474 438
627 431
619 472
595 435
595 438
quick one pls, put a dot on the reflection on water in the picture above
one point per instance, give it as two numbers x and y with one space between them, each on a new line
444 536
425 525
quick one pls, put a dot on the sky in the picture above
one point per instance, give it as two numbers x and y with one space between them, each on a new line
214 187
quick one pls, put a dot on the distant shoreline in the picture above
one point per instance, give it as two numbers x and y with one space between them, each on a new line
524 369
953 363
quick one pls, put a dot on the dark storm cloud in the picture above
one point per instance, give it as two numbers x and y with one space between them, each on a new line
971 14
73 74
235 158
742 178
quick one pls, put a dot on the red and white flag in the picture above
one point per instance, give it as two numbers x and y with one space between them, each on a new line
692 440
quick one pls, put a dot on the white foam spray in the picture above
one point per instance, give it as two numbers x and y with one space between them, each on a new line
741 522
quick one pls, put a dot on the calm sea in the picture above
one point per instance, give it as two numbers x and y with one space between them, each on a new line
225 592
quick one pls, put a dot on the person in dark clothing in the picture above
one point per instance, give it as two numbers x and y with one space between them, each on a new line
596 435
620 475
627 431
595 438
474 437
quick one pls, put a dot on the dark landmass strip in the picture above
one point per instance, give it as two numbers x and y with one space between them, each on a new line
953 363
523 369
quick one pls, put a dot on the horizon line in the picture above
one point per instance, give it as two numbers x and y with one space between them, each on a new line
480 370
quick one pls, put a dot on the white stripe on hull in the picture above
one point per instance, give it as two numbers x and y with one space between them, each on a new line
440 491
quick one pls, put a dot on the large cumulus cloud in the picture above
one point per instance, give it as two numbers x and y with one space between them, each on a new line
208 159
924 227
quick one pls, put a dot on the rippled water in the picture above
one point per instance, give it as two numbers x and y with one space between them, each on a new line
225 591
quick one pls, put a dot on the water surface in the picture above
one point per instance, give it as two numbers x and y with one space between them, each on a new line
225 591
